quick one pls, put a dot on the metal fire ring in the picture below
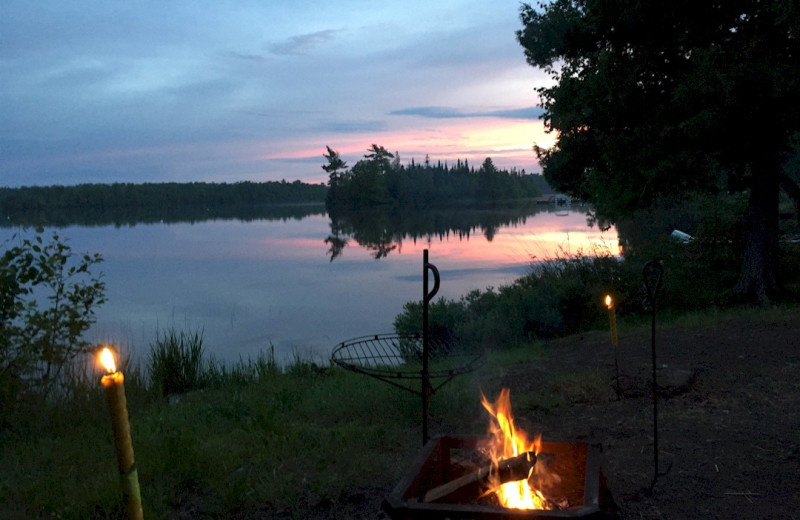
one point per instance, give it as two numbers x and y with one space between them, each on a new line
397 360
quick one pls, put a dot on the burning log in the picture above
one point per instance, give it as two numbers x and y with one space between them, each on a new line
507 470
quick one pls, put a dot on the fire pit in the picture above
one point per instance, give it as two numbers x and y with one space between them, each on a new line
505 475
445 482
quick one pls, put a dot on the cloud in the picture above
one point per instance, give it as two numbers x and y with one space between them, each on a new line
302 43
128 91
247 56
518 113
347 127
475 272
439 112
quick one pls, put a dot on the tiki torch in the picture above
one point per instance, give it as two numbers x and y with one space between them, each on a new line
612 320
113 382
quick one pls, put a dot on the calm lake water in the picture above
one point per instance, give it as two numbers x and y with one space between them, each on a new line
252 284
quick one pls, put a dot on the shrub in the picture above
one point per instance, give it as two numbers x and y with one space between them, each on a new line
697 274
557 297
48 297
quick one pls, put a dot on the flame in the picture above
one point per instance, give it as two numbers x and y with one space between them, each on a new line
609 301
107 360
510 442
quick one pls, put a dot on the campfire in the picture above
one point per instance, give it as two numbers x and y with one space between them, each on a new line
511 444
506 474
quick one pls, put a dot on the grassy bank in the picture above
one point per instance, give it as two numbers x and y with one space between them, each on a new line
289 442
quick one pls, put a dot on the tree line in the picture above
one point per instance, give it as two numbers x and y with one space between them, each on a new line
380 179
26 200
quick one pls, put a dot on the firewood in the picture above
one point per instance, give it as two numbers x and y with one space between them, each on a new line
507 470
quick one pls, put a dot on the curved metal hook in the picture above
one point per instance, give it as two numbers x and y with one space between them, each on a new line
436 280
652 273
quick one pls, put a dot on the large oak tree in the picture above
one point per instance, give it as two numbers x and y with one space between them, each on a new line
653 99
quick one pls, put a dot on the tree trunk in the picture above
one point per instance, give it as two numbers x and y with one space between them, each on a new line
791 189
758 279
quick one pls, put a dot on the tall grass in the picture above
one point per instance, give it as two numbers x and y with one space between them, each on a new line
179 364
258 440
176 364
262 367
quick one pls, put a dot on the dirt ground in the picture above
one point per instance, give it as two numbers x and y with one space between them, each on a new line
728 419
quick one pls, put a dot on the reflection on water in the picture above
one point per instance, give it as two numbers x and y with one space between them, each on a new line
134 215
382 232
249 284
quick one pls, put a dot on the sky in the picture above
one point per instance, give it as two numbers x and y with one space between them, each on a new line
227 91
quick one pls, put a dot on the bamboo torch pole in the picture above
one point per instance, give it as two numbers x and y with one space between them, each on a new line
612 320
113 382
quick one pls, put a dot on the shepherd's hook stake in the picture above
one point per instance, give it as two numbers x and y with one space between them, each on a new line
652 273
427 390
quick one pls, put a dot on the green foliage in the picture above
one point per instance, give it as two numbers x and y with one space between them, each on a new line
335 168
649 99
375 180
335 163
296 438
48 299
126 203
445 319
176 364
245 371
697 274
379 156
558 297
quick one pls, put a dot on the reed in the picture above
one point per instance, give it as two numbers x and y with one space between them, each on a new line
176 364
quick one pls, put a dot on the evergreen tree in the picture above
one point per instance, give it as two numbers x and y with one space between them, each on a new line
335 163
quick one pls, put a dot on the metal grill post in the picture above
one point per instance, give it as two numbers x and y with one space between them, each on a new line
426 298
653 272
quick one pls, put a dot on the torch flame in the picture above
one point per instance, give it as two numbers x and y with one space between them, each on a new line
609 301
107 360
510 442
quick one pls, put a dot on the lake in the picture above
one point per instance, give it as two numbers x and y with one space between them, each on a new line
260 282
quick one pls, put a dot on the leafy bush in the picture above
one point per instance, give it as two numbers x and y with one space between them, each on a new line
557 297
697 274
48 297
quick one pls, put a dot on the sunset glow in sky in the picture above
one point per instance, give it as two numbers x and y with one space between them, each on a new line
114 91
